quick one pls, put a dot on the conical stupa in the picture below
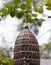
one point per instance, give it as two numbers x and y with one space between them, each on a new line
26 49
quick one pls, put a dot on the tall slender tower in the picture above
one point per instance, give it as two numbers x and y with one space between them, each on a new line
26 49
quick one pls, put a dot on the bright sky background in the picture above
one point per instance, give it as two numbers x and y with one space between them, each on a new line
8 29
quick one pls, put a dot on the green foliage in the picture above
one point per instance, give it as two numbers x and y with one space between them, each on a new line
6 61
45 51
5 52
29 3
17 1
5 57
39 22
24 8
38 9
34 15
49 7
48 4
8 7
11 9
20 14
3 12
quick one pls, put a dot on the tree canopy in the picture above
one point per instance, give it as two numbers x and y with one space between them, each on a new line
45 51
5 57
26 9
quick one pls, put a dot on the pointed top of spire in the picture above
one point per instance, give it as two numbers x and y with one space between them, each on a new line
26 27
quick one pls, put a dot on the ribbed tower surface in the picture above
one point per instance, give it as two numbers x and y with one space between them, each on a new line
26 49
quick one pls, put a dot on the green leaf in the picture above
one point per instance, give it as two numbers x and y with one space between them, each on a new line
48 3
48 7
30 20
12 13
35 7
23 6
29 16
17 1
9 6
30 11
11 9
20 14
3 12
39 21
34 20
6 61
29 3
38 9
34 15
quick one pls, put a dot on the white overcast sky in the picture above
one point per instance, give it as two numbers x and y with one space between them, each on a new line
8 29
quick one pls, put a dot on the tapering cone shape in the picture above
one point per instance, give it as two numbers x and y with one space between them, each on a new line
26 49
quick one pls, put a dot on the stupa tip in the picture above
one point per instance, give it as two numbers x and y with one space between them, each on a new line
26 27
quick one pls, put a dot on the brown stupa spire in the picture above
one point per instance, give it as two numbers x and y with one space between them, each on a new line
26 49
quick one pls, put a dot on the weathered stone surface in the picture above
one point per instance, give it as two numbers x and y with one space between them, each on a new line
26 49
